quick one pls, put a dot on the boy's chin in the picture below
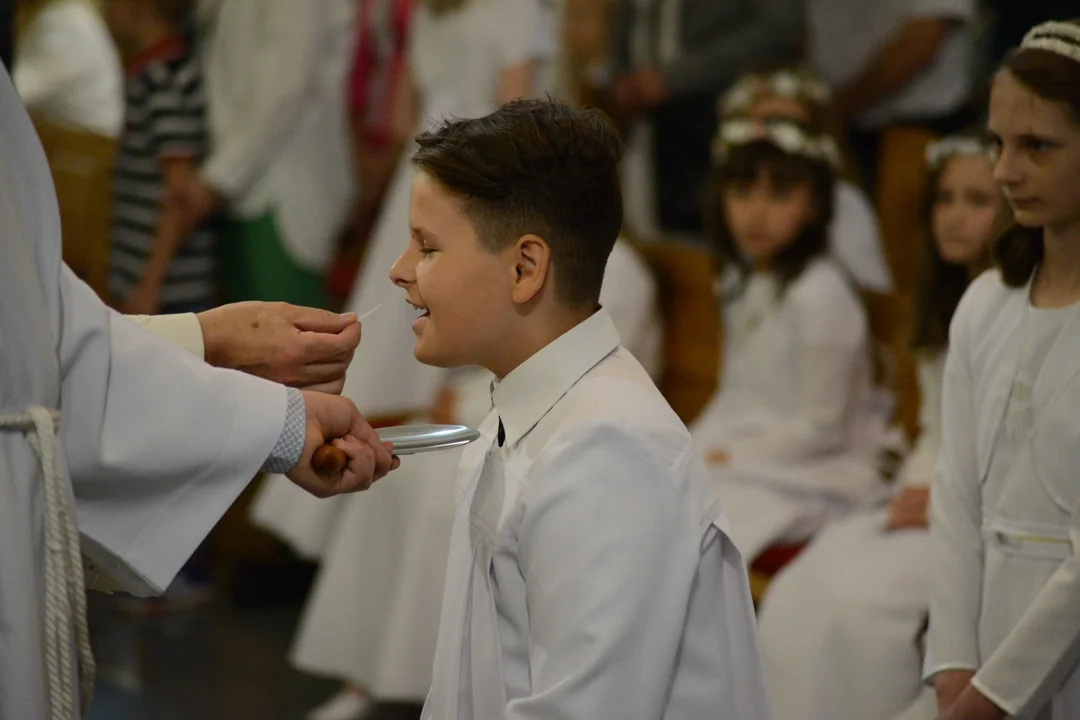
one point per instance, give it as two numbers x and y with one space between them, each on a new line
428 355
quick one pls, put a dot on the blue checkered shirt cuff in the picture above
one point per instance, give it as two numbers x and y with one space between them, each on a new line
290 445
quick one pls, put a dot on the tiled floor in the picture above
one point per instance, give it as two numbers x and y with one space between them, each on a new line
217 662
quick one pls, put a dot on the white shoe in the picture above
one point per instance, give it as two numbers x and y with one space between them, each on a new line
346 705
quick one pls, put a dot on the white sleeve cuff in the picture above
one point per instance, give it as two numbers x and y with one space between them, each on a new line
183 330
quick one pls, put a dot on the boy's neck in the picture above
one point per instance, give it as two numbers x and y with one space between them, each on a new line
535 337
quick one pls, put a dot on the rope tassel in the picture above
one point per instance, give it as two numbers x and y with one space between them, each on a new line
65 591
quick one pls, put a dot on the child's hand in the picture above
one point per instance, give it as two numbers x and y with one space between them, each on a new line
973 705
948 685
145 299
908 509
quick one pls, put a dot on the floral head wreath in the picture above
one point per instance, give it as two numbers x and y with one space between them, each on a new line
785 83
940 152
1062 38
786 136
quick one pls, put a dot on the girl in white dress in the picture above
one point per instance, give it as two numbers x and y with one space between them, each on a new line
854 235
1004 637
841 626
789 435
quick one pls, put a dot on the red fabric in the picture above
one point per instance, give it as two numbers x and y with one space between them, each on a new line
374 112
167 49
773 559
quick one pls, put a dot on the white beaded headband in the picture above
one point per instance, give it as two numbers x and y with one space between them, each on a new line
937 153
785 83
787 136
1057 37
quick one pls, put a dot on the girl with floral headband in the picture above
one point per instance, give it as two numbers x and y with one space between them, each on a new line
802 98
787 435
1004 637
839 625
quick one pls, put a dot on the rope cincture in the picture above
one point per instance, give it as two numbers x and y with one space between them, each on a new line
65 590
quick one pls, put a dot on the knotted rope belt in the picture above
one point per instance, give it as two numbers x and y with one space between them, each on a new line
65 587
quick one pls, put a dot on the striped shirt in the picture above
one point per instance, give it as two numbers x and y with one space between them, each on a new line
164 116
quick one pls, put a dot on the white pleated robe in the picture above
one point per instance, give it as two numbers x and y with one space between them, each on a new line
153 445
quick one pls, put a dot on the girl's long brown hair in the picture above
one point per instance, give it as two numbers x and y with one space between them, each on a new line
745 163
1018 250
941 284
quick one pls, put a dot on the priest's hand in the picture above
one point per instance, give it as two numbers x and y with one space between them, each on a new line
296 346
335 420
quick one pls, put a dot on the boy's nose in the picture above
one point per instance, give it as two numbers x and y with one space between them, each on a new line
401 271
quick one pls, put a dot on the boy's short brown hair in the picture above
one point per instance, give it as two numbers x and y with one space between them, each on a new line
536 167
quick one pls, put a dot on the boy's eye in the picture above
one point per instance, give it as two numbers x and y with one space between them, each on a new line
1037 144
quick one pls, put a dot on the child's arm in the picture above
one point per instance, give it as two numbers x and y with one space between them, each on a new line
173 225
956 569
609 556
1043 650
524 42
284 67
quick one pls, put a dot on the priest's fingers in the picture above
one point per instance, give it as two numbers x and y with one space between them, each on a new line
381 452
319 321
360 472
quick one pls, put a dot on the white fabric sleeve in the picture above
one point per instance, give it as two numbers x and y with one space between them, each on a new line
585 588
182 330
956 567
283 72
49 62
920 463
1043 650
855 238
523 30
159 444
629 296
831 357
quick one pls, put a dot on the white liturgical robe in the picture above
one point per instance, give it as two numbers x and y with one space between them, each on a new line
590 574
153 445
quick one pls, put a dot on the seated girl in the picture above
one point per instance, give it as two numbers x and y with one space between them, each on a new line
841 626
854 237
790 434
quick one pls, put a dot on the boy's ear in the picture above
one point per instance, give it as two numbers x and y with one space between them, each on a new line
532 264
